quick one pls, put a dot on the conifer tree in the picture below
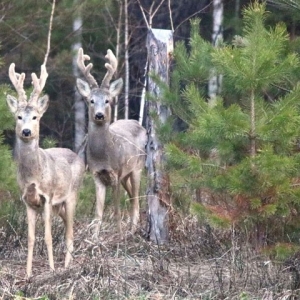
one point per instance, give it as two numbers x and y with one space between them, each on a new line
240 153
8 185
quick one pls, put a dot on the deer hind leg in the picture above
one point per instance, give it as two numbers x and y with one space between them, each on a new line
48 235
31 219
135 178
127 185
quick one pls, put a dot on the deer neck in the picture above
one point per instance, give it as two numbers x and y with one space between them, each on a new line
100 139
27 155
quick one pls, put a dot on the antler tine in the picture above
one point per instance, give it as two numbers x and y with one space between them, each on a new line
111 68
38 83
86 70
18 82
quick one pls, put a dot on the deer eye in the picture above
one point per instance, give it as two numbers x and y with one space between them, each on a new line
34 118
19 117
92 101
106 101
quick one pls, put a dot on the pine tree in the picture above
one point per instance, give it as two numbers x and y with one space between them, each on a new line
8 183
240 153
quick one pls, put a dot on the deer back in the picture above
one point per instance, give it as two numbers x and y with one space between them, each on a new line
121 148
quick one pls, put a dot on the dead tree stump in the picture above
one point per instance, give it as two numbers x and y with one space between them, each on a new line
160 48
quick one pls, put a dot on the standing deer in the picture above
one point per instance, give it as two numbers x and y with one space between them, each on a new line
49 179
115 152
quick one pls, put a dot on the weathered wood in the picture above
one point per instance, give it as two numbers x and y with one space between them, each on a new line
160 48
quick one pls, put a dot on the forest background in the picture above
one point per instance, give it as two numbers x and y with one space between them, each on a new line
233 160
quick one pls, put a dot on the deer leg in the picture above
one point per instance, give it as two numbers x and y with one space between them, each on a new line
69 220
135 205
127 185
100 199
48 235
116 198
31 219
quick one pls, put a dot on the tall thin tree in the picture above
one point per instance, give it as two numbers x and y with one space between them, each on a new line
215 81
79 105
126 61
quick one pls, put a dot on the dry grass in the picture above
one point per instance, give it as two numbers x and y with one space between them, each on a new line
198 263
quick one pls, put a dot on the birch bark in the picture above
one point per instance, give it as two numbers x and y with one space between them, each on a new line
79 105
159 47
215 82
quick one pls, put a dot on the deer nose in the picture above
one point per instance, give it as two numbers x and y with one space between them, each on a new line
26 132
99 116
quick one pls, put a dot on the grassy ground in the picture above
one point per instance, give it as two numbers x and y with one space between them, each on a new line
197 263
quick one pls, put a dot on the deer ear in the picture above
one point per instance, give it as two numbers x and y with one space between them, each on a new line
115 87
83 88
12 103
42 104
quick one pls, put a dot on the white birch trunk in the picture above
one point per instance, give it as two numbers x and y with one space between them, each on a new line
118 47
126 61
143 96
79 105
215 82
160 47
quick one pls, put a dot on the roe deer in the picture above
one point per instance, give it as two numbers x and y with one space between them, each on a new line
115 152
49 179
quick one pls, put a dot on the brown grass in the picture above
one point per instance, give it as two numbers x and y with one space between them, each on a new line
197 263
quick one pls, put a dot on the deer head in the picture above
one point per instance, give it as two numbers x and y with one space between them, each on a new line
27 113
98 99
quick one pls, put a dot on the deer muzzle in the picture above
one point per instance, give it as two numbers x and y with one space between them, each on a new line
26 132
99 116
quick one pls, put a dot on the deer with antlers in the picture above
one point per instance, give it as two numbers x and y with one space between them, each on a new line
49 179
115 152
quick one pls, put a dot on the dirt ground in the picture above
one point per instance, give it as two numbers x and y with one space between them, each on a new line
197 263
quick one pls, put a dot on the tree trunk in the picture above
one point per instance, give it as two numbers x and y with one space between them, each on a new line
143 97
160 48
215 82
79 105
118 47
126 97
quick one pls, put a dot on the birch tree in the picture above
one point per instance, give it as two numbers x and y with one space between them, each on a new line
79 105
215 82
126 60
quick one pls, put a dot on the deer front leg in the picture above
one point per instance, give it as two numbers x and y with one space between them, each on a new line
100 199
135 205
69 220
48 235
116 199
31 219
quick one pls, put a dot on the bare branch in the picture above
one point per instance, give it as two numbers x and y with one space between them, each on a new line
155 11
157 8
49 33
170 12
142 10
194 14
